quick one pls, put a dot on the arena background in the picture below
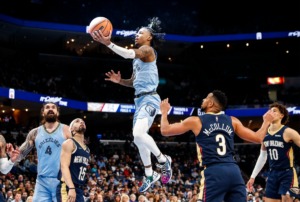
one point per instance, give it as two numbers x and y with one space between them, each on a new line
44 50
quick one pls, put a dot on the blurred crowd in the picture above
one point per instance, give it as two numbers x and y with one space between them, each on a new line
116 171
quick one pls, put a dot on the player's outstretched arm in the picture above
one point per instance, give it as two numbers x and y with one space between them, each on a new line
248 134
106 40
116 78
27 146
191 123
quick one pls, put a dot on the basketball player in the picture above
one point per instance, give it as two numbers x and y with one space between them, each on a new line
47 139
221 177
144 80
7 150
277 148
74 160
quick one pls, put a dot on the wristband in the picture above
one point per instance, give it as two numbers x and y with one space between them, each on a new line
72 188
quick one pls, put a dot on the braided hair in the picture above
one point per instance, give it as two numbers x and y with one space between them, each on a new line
155 29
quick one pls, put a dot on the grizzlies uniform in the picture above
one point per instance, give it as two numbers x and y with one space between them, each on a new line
48 146
221 176
282 175
145 83
78 167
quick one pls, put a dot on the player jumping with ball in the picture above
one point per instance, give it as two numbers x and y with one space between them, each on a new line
144 80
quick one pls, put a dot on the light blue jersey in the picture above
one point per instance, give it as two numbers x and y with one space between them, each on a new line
145 80
145 76
48 146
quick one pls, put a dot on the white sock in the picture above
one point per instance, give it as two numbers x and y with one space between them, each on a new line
161 158
149 171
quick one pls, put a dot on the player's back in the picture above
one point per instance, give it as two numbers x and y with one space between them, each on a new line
48 146
215 142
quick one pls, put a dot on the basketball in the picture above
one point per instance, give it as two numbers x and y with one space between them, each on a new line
100 23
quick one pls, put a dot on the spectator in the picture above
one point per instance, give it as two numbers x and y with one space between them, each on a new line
29 199
17 197
132 198
124 198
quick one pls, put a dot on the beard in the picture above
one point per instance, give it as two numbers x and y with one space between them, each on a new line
81 130
51 118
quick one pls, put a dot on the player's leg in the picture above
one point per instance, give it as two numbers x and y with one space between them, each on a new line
145 118
272 187
236 184
143 140
41 192
212 185
288 178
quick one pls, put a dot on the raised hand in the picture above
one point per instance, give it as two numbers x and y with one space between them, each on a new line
99 37
113 77
268 116
13 153
165 106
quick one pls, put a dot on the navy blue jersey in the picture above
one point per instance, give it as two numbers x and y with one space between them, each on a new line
215 142
280 153
78 165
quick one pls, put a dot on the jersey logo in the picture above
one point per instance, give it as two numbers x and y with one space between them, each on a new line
151 110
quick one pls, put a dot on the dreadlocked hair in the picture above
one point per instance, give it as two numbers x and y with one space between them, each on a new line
155 29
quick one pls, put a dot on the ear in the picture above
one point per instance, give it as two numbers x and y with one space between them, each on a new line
150 37
281 116
211 103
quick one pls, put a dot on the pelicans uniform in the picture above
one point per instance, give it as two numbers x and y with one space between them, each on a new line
78 167
48 146
147 101
221 178
282 174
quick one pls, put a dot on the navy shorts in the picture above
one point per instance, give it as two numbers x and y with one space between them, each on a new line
62 193
279 182
222 182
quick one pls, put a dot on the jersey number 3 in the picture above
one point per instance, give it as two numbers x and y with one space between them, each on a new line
222 144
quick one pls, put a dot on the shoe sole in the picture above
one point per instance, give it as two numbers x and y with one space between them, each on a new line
171 173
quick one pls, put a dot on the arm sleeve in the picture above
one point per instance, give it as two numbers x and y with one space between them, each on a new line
125 53
5 165
259 163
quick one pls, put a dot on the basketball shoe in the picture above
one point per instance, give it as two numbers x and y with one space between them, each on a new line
148 181
166 170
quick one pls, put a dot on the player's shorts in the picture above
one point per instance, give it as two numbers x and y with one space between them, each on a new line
45 189
222 182
279 182
62 193
146 107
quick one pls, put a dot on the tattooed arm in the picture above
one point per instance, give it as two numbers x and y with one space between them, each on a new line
27 146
